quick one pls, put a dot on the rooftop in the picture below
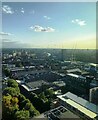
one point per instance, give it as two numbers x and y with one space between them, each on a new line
59 113
81 104
93 64
36 84
29 88
59 83
62 112
73 70
76 76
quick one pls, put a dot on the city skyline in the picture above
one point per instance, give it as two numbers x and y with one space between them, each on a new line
49 25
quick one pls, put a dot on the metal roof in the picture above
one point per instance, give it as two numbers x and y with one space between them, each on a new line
81 104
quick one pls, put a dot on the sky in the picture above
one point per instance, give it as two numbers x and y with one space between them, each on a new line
49 25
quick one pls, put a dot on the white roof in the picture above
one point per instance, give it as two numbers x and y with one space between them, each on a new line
27 88
19 81
73 75
81 104
93 64
77 76
73 70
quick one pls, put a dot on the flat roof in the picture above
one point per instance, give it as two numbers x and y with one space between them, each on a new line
81 104
20 81
16 69
28 89
93 64
37 83
62 112
59 83
74 70
82 109
73 75
76 76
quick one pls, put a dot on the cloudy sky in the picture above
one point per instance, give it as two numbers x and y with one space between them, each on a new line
49 25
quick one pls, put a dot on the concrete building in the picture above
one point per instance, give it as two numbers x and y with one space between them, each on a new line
58 113
78 83
94 95
80 106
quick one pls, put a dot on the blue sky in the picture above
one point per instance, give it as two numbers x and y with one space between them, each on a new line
53 25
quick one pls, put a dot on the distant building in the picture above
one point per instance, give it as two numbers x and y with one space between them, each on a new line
92 68
78 83
74 71
80 106
59 83
62 54
35 87
94 95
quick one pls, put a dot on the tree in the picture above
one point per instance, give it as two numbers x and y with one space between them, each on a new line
14 84
31 109
22 115
49 93
40 104
10 91
43 97
14 101
24 102
15 105
9 107
21 97
6 72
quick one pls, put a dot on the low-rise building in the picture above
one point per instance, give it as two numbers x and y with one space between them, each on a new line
58 113
80 106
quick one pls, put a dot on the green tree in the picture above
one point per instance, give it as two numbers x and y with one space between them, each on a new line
14 84
24 102
31 109
9 107
6 72
10 91
43 97
22 115
49 93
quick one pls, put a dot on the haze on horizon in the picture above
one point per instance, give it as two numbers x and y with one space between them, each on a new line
49 25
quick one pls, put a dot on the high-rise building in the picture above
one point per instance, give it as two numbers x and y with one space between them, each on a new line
62 54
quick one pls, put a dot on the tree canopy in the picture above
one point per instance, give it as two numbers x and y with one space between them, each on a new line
15 106
10 91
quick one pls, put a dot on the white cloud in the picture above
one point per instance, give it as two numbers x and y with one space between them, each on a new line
5 34
38 28
22 10
79 22
46 17
6 9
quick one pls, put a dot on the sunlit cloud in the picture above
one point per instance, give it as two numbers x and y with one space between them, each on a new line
5 34
79 22
6 9
46 17
38 28
22 10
